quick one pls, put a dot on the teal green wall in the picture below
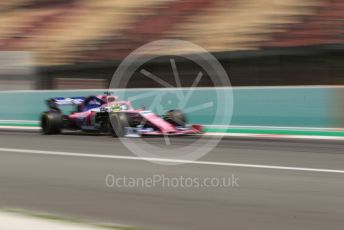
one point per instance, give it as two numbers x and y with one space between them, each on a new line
265 106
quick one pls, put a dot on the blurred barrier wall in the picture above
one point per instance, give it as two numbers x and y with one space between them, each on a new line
17 70
253 106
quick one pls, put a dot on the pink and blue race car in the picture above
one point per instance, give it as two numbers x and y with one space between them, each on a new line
107 114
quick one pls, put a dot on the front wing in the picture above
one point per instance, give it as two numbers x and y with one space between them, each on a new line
138 132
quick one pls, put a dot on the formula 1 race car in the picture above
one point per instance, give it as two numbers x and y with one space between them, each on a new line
107 114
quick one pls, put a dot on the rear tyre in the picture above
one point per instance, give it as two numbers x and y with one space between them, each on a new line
51 122
118 122
176 117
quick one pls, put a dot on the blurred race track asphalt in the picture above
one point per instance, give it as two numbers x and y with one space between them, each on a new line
75 186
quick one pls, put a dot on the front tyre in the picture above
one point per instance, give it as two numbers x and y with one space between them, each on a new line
51 122
118 122
176 117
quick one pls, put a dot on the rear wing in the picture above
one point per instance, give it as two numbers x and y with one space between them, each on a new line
68 100
55 102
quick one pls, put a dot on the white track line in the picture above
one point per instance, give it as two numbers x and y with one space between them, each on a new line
3 127
246 135
276 136
102 156
294 128
18 221
20 121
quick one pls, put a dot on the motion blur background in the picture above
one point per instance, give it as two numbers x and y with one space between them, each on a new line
60 44
49 48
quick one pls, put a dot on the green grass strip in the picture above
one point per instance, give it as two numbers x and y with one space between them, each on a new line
19 124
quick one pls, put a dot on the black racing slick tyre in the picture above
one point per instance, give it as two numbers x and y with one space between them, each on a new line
51 122
176 117
118 122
